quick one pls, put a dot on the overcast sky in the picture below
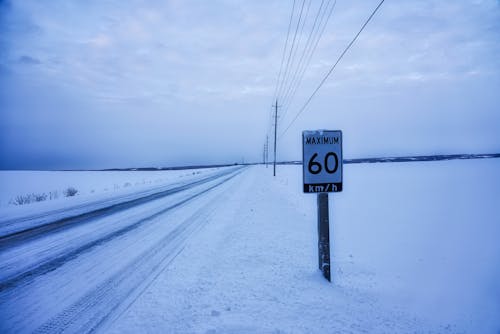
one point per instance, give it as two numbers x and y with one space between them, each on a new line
100 84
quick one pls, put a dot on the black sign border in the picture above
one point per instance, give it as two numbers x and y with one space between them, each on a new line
337 184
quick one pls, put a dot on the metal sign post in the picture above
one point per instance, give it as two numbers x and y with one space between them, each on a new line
323 236
322 173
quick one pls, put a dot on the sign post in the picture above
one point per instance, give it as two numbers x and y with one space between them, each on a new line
323 236
322 173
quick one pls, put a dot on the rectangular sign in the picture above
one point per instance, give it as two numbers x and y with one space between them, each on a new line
322 161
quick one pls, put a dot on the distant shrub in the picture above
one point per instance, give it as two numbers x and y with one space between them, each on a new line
39 197
20 200
70 191
28 198
127 184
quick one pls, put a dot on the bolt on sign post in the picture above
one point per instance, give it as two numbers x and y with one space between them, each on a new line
322 173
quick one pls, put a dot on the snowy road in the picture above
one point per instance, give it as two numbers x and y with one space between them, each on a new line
414 250
71 270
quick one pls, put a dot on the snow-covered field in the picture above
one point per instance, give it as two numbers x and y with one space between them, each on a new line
91 186
415 249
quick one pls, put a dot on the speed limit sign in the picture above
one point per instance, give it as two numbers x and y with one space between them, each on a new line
322 161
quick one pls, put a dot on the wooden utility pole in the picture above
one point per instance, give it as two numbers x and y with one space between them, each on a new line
264 155
267 150
275 134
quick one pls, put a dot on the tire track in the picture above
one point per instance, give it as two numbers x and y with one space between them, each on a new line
115 294
11 239
56 262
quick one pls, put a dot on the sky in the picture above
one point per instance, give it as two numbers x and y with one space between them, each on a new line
104 84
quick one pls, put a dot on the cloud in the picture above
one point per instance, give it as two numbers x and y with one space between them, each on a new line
99 41
28 60
189 62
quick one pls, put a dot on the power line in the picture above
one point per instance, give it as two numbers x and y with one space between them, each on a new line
284 49
297 83
282 75
308 43
275 134
332 68
294 53
292 47
308 62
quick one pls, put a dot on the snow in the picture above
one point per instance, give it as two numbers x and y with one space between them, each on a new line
414 249
56 277
92 186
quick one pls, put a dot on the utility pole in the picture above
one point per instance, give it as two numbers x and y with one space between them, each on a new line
264 155
275 132
267 150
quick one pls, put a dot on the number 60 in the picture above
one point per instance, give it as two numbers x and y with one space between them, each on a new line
315 167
